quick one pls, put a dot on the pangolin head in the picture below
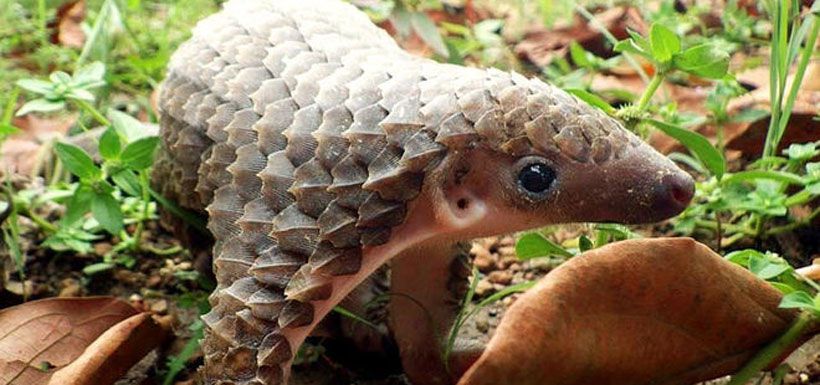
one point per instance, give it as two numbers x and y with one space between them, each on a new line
540 156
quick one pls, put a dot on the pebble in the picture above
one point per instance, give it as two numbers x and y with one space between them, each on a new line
153 281
482 325
483 287
160 307
102 248
501 277
483 259
69 288
506 262
508 301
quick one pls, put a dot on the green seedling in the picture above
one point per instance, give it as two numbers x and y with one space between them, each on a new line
62 88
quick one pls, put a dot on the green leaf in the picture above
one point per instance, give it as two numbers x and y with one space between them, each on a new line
579 55
107 212
428 32
802 151
95 268
401 21
704 60
751 175
629 46
128 182
782 287
80 94
41 105
77 162
110 146
98 39
697 144
90 75
585 244
130 128
742 257
766 269
798 300
139 154
78 205
639 41
34 85
664 42
7 129
60 77
592 99
534 245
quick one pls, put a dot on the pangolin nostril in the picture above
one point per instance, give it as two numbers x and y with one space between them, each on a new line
681 188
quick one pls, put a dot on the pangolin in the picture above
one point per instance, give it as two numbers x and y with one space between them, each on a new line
320 150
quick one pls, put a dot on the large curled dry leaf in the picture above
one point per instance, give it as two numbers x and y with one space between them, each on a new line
41 338
652 311
110 356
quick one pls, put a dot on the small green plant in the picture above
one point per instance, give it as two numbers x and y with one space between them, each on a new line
799 293
481 42
535 244
744 204
408 17
62 88
188 300
116 193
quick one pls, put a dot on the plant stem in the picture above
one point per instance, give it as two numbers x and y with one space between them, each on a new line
146 202
656 81
47 226
774 350
725 227
791 226
87 107
43 22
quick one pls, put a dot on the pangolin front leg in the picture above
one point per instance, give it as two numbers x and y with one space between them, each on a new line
320 150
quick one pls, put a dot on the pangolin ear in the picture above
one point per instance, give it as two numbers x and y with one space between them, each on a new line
458 208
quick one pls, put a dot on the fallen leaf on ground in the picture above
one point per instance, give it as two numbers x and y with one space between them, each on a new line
542 45
69 31
649 311
113 353
42 337
19 153
747 137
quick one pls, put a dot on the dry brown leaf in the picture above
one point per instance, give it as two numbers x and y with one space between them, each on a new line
747 138
651 311
38 337
20 153
113 353
541 45
811 271
69 32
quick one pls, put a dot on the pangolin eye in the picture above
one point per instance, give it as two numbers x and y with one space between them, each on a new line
536 177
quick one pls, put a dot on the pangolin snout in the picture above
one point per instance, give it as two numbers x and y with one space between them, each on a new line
673 194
